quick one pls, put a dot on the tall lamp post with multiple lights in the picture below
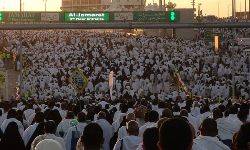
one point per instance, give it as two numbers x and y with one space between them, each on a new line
20 54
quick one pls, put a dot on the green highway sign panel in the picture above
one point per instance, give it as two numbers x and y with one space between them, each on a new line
22 17
150 16
173 16
1 16
86 16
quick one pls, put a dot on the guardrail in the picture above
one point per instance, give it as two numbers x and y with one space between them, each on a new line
121 26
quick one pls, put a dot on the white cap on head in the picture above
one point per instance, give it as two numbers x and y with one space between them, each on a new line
48 144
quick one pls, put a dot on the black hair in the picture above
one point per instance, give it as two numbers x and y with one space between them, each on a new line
11 114
70 115
233 110
92 137
81 117
150 139
39 117
209 127
167 113
242 115
242 139
184 113
123 107
217 113
50 127
222 108
55 116
176 108
243 112
19 115
153 116
175 134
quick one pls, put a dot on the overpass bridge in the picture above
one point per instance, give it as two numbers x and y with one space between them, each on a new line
124 25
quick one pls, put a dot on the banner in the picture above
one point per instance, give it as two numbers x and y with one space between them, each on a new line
178 81
123 16
111 83
79 80
27 63
22 17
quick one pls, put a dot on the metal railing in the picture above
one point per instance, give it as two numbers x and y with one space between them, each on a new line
39 26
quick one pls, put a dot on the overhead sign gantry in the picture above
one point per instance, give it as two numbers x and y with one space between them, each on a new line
75 17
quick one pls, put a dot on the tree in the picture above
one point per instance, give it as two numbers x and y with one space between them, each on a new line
170 6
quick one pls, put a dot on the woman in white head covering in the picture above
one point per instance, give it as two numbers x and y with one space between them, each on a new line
48 144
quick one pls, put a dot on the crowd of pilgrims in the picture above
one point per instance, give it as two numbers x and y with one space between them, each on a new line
146 112
191 124
143 65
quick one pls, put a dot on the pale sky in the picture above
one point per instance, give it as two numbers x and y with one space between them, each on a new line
208 6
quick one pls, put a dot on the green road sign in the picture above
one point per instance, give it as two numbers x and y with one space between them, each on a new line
1 16
173 16
150 16
86 17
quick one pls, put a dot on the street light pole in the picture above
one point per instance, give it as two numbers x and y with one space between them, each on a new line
245 9
233 8
20 54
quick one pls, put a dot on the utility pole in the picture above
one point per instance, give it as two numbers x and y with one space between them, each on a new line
233 8
218 9
160 5
193 4
164 5
45 5
20 5
245 16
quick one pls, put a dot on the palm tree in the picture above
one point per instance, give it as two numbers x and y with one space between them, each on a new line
170 6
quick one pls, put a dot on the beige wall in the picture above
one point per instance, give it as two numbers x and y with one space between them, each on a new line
187 16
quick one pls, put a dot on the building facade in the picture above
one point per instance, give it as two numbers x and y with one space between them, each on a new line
85 5
102 5
242 15
130 5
